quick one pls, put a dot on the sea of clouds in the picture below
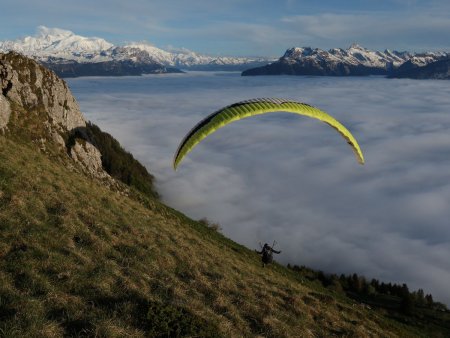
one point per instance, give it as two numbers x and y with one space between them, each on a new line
295 180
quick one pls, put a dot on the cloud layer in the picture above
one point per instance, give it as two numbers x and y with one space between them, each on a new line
294 179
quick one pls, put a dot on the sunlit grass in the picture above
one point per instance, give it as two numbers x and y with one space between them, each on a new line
77 258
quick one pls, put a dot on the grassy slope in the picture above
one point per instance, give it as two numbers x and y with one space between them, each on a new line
78 259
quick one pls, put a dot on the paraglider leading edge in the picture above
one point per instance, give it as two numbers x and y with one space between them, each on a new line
243 109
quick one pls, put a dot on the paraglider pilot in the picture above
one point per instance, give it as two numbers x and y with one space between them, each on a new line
267 254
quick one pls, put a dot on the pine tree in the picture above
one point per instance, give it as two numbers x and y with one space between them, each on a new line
407 304
420 297
429 300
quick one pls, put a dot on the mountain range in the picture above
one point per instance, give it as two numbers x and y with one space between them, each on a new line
69 54
355 60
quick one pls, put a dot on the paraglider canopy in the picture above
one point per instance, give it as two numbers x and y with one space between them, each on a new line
243 109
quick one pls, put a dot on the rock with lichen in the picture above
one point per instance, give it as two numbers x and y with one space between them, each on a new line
38 96
5 112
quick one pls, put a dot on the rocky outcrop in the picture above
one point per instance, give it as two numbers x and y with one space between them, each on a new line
5 112
32 86
40 96
37 107
89 157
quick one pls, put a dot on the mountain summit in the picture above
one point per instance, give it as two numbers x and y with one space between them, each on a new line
58 43
355 60
65 52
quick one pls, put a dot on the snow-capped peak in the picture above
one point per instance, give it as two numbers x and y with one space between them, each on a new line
183 57
356 46
354 55
43 32
59 43
155 53
298 52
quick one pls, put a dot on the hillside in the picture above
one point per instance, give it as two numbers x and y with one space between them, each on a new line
86 251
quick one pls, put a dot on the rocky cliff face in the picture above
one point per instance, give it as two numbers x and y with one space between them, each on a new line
438 70
34 98
5 112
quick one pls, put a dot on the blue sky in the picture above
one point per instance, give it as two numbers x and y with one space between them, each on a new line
240 27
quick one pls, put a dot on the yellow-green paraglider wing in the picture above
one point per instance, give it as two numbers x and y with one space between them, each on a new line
253 107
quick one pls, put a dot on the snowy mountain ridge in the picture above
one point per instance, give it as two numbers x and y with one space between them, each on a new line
358 55
70 54
353 61
54 45
57 43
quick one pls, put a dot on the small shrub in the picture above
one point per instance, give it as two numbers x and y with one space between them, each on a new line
211 225
116 161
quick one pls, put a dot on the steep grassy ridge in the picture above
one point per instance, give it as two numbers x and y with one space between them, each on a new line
78 259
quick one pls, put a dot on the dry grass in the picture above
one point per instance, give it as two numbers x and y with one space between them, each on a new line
78 259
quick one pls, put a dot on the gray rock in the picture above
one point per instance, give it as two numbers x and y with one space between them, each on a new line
32 86
37 90
5 112
89 157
